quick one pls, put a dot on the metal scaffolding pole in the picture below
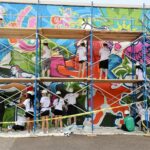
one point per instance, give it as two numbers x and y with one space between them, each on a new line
36 64
91 66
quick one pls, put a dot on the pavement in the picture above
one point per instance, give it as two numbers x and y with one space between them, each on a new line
77 142
101 138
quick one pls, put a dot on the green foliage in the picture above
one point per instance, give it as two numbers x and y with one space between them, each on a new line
23 60
120 18
8 116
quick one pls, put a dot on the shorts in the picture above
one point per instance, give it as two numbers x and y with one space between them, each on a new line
82 61
29 114
46 64
71 110
103 64
58 112
45 113
18 127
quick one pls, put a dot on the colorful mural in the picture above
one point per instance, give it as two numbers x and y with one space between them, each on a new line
17 56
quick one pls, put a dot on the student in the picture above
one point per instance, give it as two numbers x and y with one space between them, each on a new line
129 124
1 15
104 57
19 124
70 98
29 112
46 55
45 107
58 110
139 71
81 52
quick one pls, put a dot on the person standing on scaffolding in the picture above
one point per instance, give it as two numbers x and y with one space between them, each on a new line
45 107
46 55
1 15
81 53
70 98
104 58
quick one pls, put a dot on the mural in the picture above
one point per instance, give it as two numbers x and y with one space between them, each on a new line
17 56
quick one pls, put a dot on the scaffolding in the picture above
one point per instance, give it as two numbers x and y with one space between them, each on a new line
89 34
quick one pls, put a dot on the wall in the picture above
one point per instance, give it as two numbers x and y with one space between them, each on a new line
18 56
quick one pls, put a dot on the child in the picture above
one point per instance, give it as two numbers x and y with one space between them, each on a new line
81 52
46 60
29 112
139 71
1 15
58 109
104 56
45 106
129 124
71 101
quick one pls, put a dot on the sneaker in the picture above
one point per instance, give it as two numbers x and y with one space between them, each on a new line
61 131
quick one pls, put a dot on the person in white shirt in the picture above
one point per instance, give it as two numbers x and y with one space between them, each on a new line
46 55
20 123
58 104
139 71
70 98
2 11
45 107
104 57
29 112
81 52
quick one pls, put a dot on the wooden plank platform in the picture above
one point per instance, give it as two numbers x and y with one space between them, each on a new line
17 80
53 79
21 33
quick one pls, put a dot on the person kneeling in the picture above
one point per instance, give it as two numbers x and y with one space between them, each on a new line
129 124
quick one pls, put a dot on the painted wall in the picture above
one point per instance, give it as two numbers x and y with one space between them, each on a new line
18 56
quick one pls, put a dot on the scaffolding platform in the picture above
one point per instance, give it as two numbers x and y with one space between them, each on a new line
53 79
20 33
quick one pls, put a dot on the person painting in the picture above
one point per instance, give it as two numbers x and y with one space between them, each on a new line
29 112
81 53
2 11
46 55
70 98
45 107
104 58
58 104
129 124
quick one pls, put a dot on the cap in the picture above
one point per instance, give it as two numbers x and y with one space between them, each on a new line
126 112
30 92
44 91
70 90
58 92
45 42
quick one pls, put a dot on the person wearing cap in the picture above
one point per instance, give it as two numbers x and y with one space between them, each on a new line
45 107
129 124
104 53
2 10
29 112
46 55
81 52
70 98
58 104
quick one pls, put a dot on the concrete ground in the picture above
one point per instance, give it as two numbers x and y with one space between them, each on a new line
77 142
